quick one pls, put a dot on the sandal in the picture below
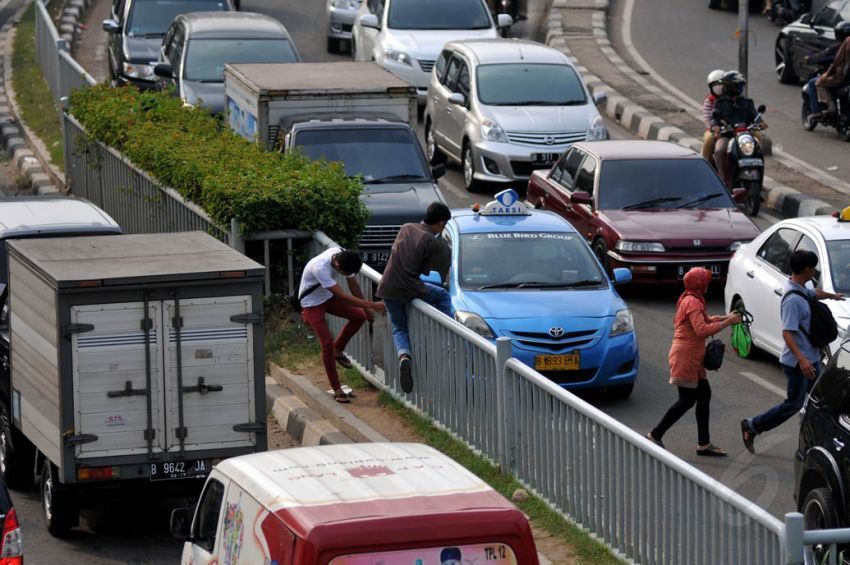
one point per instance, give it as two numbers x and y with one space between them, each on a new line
341 397
711 450
343 361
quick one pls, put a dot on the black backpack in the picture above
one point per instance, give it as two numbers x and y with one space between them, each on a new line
824 328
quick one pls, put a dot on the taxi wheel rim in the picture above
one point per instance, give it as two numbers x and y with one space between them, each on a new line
47 495
780 58
468 170
430 144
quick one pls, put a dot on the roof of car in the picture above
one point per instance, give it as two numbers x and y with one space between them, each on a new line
830 228
351 475
489 51
27 215
232 25
471 222
637 149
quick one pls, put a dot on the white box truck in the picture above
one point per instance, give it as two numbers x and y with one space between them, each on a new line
135 361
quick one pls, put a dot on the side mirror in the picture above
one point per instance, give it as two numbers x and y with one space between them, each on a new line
181 521
761 109
111 26
739 194
457 99
438 171
504 20
622 276
600 98
806 19
581 197
433 277
163 70
370 21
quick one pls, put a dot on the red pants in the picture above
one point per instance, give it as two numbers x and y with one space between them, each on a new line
315 317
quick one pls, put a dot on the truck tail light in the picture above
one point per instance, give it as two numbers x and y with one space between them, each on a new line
11 550
98 473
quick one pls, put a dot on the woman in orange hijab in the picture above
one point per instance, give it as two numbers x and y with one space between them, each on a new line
691 327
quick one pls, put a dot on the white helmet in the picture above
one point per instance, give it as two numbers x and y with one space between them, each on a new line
715 76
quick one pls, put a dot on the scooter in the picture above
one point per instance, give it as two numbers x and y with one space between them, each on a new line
840 119
746 160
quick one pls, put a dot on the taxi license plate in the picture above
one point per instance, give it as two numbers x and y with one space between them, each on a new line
168 470
715 270
543 158
568 362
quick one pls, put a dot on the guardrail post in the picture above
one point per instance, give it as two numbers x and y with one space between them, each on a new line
794 528
236 240
503 353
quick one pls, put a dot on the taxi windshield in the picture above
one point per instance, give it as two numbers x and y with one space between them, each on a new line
839 264
527 260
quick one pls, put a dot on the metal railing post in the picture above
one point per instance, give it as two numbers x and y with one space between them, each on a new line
503 353
794 528
237 242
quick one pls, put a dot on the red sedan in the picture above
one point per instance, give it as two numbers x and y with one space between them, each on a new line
654 207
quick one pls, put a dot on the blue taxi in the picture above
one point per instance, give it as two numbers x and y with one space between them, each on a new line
528 275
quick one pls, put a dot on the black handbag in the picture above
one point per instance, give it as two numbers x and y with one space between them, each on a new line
714 351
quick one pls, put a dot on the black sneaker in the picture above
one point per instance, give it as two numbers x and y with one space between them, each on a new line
748 435
406 374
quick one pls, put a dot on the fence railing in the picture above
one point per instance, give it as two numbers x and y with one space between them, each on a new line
60 70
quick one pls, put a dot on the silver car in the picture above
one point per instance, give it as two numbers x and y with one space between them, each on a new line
341 14
504 107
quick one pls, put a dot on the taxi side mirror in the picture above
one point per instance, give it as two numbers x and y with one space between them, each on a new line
433 277
457 99
181 521
622 276
739 194
581 197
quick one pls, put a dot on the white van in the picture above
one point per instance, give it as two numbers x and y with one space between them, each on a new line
353 504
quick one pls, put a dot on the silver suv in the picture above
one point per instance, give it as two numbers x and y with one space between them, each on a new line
504 107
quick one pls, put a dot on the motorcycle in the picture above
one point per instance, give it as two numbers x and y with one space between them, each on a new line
840 119
783 12
746 160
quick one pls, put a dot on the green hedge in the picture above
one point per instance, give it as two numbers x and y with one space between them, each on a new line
228 176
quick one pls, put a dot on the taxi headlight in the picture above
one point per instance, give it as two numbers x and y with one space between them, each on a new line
597 131
640 246
474 322
623 322
491 131
747 144
735 245
136 70
399 57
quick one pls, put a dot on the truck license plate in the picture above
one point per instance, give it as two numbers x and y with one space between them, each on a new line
168 470
543 158
556 362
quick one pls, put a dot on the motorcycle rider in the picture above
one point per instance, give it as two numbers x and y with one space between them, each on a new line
730 109
838 73
715 89
822 61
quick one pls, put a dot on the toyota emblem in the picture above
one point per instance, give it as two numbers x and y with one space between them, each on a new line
549 140
556 332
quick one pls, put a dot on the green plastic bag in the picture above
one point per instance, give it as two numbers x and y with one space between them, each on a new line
742 342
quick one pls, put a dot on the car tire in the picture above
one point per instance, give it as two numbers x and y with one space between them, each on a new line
17 454
468 165
784 62
819 512
600 249
435 156
621 392
59 507
333 45
752 204
353 48
809 123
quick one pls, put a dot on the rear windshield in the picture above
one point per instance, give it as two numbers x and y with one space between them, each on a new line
382 156
644 184
151 18
529 84
438 14
205 58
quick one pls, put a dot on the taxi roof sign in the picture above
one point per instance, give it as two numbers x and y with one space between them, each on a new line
507 203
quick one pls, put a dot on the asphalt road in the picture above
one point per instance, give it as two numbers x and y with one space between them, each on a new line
708 39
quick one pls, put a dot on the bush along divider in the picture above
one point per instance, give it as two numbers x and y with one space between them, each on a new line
225 174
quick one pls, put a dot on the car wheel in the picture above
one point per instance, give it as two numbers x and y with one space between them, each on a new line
784 62
621 392
819 513
435 156
333 45
17 454
600 248
59 507
752 203
809 123
843 131
715 4
468 161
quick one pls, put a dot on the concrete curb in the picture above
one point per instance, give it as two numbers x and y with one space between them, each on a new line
778 198
298 420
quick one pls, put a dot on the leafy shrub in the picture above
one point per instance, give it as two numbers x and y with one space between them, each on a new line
228 176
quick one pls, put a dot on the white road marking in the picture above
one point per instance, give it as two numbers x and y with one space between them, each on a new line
763 383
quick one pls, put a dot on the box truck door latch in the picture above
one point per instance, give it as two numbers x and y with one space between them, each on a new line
128 390
79 439
202 387
250 318
250 428
70 329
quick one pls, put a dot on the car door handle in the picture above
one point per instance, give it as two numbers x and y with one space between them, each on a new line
751 274
777 291
839 445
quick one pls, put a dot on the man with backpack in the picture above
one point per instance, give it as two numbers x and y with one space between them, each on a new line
807 326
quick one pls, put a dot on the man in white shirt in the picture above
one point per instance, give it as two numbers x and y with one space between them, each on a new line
319 294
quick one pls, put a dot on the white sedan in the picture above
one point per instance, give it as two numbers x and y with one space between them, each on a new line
759 269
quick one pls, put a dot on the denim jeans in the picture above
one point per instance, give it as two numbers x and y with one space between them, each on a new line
814 106
798 387
435 295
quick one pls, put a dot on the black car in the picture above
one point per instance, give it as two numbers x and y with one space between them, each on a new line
136 29
11 549
807 36
822 461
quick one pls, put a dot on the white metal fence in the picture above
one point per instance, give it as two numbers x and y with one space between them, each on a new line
60 70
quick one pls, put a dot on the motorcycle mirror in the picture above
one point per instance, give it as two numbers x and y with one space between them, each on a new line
762 109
